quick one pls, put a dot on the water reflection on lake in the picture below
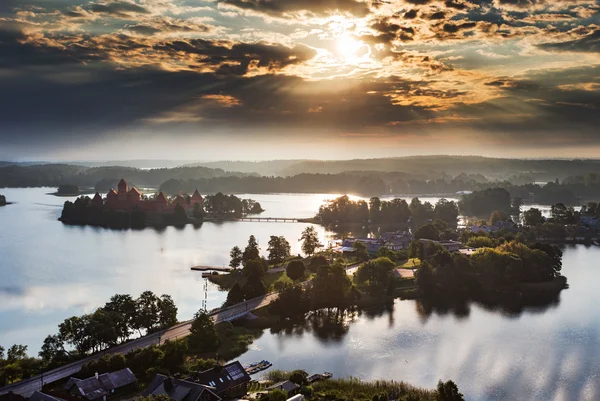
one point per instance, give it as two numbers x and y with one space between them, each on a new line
543 352
49 271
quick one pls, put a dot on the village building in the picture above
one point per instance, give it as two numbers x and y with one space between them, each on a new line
180 390
99 387
39 396
290 388
228 381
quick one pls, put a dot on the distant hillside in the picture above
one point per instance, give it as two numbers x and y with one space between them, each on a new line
270 167
53 175
432 167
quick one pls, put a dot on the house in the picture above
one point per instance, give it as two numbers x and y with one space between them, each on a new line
289 387
451 246
372 244
100 386
39 396
228 381
397 241
180 390
10 396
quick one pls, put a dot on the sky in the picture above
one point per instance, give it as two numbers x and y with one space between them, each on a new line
275 79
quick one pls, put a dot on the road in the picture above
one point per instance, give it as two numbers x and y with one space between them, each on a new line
28 386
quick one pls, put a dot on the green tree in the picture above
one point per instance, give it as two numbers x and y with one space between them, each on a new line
236 257
16 352
310 240
124 314
446 211
167 312
385 252
497 216
424 277
378 273
480 241
295 270
53 349
279 249
360 250
299 377
448 391
73 331
252 252
254 268
254 287
331 285
203 334
174 355
533 217
235 295
147 311
416 249
428 231
277 395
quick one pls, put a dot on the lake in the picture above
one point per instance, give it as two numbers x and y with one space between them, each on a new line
49 272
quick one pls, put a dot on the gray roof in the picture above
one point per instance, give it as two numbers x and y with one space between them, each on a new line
224 377
94 387
39 396
286 386
178 390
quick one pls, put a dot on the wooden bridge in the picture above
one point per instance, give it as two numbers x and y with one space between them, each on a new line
263 219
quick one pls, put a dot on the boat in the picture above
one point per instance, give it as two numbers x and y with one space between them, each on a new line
256 367
319 376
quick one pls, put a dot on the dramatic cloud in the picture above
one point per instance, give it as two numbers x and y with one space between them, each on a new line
519 71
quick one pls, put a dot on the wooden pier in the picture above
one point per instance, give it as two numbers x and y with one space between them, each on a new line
257 219
212 268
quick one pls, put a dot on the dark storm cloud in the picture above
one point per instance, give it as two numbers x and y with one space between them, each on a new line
586 43
280 7
117 8
167 25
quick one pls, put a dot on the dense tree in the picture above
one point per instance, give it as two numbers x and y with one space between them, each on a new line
124 308
292 302
147 311
424 278
416 249
167 312
385 252
236 257
310 240
295 270
254 268
235 295
533 217
497 216
203 334
564 215
252 251
254 287
446 211
482 203
377 273
53 349
331 285
279 249
360 250
428 231
448 391
480 241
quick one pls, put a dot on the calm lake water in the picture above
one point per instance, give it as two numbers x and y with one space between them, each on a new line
49 272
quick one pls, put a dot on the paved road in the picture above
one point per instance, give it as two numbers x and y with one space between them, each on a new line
28 386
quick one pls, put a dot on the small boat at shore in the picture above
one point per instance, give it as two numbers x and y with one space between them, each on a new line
256 367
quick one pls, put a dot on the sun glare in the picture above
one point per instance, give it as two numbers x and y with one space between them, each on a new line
349 48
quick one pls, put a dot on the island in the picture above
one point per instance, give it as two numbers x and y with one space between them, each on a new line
3 201
128 208
69 190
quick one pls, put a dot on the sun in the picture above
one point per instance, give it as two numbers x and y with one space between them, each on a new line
349 48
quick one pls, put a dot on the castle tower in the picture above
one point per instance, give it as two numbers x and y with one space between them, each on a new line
123 189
